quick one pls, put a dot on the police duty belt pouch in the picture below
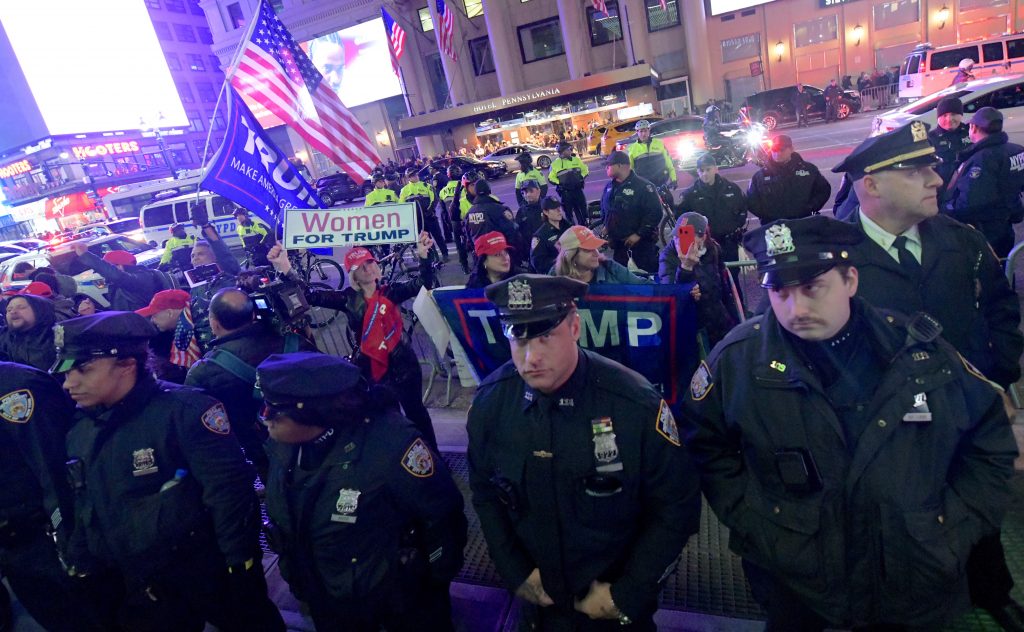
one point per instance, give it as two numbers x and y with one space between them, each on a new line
570 180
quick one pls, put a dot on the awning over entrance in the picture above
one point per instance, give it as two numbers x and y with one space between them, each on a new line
433 122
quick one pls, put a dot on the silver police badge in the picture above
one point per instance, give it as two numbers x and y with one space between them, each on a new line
606 450
520 296
17 406
143 462
348 502
918 131
779 240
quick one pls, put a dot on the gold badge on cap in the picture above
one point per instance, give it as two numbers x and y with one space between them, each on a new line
779 240
520 296
918 131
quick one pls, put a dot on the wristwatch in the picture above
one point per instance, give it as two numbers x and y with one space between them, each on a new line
623 619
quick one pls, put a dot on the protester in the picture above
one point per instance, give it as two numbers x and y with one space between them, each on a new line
580 258
493 261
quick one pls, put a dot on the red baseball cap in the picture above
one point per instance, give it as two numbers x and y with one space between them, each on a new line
120 258
357 257
165 299
490 243
580 237
37 288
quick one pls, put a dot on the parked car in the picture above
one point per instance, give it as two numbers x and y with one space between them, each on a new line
129 227
542 156
340 187
1006 94
683 137
492 169
603 137
27 244
775 107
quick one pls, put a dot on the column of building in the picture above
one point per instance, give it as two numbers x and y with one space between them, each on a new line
698 53
573 21
507 63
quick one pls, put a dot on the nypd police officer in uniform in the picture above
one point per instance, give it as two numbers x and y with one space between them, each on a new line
584 493
949 138
915 259
544 242
631 210
365 516
163 494
854 455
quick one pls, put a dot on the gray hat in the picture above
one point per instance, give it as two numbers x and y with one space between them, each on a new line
698 221
988 120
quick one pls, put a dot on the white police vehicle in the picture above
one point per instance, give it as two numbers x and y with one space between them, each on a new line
1005 93
156 218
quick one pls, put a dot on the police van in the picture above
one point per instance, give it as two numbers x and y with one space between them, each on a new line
156 218
928 69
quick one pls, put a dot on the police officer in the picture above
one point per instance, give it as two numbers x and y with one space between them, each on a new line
801 101
438 179
528 172
36 501
488 213
180 241
986 188
831 94
584 494
364 514
162 490
788 186
544 243
255 237
949 138
528 217
914 259
451 195
719 200
380 193
649 157
854 456
392 181
631 210
423 194
568 173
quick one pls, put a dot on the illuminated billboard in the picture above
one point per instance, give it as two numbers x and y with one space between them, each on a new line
719 7
92 65
356 63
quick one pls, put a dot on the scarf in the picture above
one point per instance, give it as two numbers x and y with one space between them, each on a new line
382 331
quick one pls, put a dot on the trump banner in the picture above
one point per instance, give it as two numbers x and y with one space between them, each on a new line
252 172
652 329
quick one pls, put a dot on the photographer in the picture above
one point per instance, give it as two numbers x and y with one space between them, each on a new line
209 251
385 352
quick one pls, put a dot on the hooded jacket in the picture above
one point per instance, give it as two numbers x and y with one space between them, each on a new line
33 346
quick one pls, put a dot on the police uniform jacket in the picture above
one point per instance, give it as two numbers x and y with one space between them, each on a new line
544 246
380 196
340 527
528 220
716 309
788 190
533 458
129 290
487 214
722 203
127 452
631 206
175 243
558 174
653 147
885 534
948 143
988 183
962 285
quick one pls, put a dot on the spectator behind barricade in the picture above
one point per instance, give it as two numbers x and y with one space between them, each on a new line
129 286
701 265
864 81
170 311
544 242
28 337
493 260
580 258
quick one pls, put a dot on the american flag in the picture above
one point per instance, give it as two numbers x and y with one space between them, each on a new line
185 349
600 6
274 72
396 34
447 31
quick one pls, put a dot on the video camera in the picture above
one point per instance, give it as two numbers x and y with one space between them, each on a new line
281 304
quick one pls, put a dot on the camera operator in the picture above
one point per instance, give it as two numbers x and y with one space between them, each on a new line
210 250
385 353
228 370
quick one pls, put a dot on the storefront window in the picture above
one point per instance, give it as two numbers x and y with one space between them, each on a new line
540 40
604 28
890 14
742 47
967 5
816 31
483 59
659 19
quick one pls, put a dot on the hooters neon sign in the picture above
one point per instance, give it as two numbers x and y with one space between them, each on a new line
106 149
15 168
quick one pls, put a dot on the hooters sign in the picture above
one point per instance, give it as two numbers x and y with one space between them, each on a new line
71 204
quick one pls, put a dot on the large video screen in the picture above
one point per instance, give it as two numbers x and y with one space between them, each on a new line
356 63
719 7
92 65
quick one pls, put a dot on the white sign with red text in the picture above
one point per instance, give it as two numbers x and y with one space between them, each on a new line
369 226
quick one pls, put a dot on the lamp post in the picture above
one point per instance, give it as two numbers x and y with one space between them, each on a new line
147 129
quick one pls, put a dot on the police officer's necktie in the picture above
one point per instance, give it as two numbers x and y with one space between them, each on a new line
907 259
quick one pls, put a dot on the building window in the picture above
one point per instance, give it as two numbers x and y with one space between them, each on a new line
235 18
184 33
742 47
816 31
426 22
890 14
196 121
483 59
163 32
205 36
207 93
967 5
604 28
153 4
540 40
195 62
218 122
214 63
474 8
185 92
195 9
175 6
659 19
172 61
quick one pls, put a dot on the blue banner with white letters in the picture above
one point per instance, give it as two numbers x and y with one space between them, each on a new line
252 172
652 329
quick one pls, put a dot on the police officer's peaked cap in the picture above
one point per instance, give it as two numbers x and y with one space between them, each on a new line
794 251
531 305
106 334
290 378
903 147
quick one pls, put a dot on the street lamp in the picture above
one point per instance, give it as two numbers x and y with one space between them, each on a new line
942 16
779 49
160 143
858 33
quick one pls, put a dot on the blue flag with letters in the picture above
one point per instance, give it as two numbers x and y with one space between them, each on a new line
252 172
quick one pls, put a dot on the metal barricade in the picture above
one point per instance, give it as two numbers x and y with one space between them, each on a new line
879 97
750 295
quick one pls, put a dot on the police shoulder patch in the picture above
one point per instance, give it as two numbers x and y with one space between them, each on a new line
418 460
17 406
700 383
666 424
216 420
